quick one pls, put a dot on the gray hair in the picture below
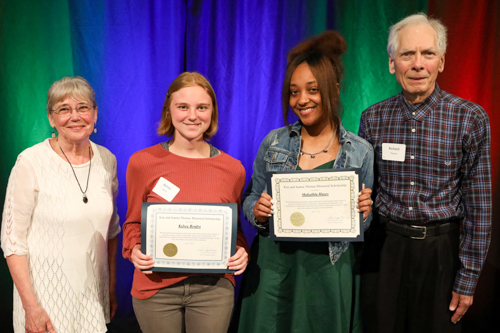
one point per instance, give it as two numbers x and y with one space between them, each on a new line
420 18
75 86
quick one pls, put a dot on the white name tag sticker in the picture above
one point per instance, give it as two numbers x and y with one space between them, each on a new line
166 189
393 152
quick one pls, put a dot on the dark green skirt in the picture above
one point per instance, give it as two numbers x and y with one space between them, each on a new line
293 287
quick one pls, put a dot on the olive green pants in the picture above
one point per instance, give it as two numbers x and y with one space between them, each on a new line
197 304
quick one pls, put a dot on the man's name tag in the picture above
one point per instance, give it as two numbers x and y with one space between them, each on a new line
166 189
393 152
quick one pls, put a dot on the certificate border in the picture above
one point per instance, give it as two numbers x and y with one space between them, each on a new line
234 229
272 232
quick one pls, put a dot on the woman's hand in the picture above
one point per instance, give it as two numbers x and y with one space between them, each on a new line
239 261
37 320
113 303
140 260
263 208
365 202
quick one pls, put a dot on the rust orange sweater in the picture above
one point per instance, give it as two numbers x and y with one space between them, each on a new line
218 179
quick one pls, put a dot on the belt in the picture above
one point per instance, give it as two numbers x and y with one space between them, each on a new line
418 231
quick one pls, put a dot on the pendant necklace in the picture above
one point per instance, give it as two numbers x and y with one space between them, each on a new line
324 150
85 199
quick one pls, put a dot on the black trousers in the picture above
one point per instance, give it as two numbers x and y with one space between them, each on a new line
413 285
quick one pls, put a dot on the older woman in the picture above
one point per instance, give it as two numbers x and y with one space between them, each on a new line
60 224
305 286
172 302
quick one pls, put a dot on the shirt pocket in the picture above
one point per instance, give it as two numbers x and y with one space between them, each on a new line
278 160
450 158
447 164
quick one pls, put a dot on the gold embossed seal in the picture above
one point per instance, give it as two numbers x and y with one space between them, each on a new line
297 219
170 250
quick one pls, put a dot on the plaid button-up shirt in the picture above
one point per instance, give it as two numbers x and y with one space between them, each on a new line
446 170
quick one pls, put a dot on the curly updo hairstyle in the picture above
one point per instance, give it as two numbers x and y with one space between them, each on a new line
323 55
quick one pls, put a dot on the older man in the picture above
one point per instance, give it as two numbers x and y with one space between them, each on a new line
432 152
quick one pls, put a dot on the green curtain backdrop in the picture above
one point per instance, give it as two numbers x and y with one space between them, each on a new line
36 50
365 26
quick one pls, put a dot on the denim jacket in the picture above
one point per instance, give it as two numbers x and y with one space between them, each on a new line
279 151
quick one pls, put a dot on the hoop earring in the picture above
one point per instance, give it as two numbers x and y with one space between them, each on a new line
53 132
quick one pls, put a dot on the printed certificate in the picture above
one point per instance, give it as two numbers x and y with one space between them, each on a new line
315 205
193 238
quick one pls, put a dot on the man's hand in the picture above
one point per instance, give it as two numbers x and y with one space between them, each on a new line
460 303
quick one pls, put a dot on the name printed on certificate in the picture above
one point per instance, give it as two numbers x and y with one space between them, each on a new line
189 237
315 205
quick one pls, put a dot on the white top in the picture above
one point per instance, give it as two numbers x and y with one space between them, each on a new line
64 239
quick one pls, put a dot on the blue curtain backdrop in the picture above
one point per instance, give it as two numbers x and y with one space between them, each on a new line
130 51
240 46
